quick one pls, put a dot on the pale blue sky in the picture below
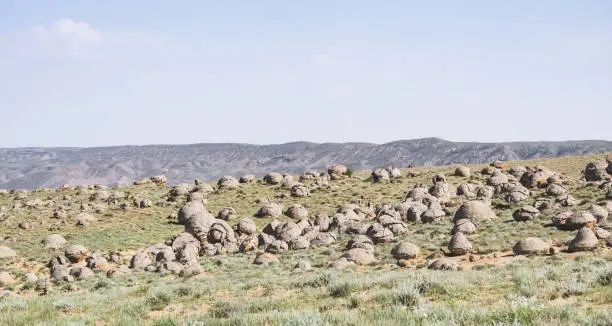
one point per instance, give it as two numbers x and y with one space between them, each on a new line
96 73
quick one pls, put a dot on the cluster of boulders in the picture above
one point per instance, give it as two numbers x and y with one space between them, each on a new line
158 179
598 171
308 182
76 263
385 174
205 234
75 206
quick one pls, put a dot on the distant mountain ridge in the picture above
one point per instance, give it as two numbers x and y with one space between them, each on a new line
50 167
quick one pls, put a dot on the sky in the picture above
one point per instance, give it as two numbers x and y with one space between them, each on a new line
104 73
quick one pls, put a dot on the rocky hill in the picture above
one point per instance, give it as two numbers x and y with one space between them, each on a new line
50 167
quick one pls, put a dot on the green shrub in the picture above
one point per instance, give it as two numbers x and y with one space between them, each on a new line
166 321
157 300
342 290
605 277
407 296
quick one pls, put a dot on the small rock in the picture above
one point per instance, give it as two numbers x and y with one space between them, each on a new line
6 278
6 252
265 258
303 265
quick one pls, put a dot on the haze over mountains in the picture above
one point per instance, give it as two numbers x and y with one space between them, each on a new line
50 167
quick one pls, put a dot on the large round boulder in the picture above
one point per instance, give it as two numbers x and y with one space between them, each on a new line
462 171
600 213
444 264
246 226
76 253
272 210
248 178
380 175
575 221
287 231
221 232
535 178
497 179
54 241
585 240
265 258
525 213
300 190
336 171
361 241
323 221
434 214
595 171
180 189
199 225
415 211
323 239
228 182
379 234
531 246
405 250
464 226
191 209
468 190
359 256
517 171
459 244
273 178
225 213
296 211
476 211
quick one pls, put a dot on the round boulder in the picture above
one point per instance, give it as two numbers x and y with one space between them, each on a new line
531 246
459 244
600 213
273 178
359 256
476 211
76 253
6 278
444 264
462 171
595 171
525 213
189 210
296 211
226 213
199 225
6 252
247 178
405 250
361 241
380 175
54 241
228 182
585 240
575 221
272 210
336 171
246 226
300 190
265 258
464 226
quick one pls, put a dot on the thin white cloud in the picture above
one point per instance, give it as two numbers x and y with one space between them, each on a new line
66 34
